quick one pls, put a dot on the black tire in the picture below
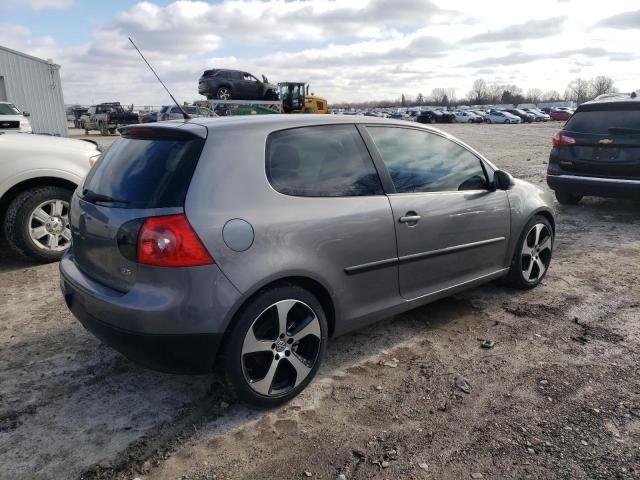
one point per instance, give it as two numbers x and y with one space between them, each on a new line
112 131
223 92
567 198
231 354
16 223
515 277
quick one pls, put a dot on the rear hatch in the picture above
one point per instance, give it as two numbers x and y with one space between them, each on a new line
606 141
145 173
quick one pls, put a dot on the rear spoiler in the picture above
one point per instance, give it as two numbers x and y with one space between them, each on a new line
184 131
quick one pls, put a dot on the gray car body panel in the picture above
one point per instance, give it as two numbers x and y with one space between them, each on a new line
347 245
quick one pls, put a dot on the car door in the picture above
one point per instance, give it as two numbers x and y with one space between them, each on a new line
451 226
251 87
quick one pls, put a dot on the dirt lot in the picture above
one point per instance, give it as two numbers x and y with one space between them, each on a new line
557 397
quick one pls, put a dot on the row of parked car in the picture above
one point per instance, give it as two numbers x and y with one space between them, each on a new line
492 115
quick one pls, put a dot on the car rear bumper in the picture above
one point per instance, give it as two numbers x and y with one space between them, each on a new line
206 88
595 186
160 329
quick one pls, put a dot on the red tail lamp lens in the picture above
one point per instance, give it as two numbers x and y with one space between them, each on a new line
169 241
560 139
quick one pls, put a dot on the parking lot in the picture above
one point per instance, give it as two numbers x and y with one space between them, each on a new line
557 396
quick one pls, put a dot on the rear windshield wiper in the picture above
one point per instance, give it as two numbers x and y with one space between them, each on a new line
624 130
92 196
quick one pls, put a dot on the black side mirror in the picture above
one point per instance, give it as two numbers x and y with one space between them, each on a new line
26 114
502 180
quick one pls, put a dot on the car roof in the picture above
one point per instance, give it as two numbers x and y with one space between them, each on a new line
282 122
292 120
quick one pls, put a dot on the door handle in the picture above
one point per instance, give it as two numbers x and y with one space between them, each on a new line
410 218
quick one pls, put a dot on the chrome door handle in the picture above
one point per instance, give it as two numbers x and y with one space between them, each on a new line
410 219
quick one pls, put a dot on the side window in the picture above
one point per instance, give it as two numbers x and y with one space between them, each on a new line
250 78
419 161
322 161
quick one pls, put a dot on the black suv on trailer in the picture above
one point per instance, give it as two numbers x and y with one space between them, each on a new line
235 84
597 152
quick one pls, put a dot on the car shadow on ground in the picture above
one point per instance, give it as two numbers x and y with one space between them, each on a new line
10 261
86 408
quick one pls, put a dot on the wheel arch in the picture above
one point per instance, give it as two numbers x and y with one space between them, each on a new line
17 189
543 212
313 286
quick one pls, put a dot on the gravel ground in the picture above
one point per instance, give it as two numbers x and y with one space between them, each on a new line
557 397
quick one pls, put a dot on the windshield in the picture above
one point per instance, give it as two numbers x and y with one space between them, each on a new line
8 109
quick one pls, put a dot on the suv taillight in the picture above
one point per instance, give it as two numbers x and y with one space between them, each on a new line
561 139
169 241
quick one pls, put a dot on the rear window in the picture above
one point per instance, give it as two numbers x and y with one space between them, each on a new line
321 161
145 173
601 121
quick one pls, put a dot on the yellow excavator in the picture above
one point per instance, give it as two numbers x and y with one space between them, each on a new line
296 99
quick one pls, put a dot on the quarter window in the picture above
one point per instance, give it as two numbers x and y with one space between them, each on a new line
420 161
322 161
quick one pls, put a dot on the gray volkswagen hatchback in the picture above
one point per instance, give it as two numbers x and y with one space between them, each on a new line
247 242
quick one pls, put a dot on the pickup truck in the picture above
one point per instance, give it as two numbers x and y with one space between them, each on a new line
38 174
107 117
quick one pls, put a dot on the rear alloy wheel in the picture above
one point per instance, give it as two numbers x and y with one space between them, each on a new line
532 257
567 198
276 346
223 93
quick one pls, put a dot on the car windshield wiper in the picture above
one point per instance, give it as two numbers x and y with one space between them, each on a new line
624 130
92 196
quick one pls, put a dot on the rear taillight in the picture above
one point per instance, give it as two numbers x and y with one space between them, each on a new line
169 241
561 139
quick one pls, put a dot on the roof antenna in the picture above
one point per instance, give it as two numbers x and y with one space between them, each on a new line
184 114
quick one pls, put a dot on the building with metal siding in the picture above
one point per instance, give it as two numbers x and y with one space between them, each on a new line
33 85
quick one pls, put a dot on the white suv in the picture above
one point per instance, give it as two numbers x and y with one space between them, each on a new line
12 120
38 174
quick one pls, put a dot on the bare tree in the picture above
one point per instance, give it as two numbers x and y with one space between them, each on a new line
451 95
533 95
579 90
551 96
601 85
478 93
420 99
439 96
494 93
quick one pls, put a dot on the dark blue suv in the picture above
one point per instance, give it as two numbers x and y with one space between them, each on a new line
597 152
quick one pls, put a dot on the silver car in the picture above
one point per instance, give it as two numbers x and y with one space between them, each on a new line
247 242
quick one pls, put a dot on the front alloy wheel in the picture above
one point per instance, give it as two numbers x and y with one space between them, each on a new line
49 226
536 253
532 255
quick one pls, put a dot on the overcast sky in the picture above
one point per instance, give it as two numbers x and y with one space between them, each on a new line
348 50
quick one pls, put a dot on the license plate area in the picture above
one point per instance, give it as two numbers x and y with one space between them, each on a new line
601 154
